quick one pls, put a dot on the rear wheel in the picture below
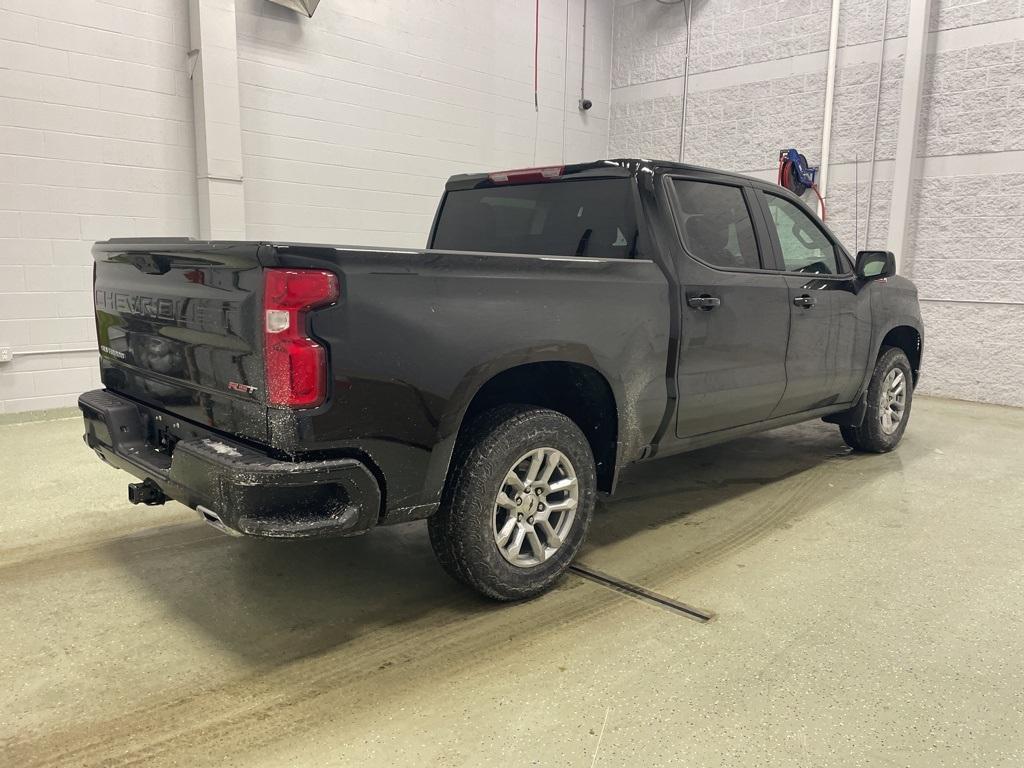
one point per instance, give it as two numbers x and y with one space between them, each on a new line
518 503
889 397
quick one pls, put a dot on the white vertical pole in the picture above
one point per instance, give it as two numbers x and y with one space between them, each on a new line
904 167
688 8
214 54
830 93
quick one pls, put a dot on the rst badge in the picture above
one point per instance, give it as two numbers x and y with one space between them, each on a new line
246 388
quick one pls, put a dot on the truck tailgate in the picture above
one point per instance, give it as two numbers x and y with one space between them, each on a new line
179 324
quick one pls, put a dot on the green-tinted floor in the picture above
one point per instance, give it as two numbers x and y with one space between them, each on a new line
870 611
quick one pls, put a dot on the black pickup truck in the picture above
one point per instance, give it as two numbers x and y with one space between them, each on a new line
562 324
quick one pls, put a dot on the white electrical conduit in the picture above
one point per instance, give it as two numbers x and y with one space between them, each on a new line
687 7
565 77
830 92
874 134
28 352
583 55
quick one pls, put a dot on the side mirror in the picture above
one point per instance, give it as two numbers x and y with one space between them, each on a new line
872 265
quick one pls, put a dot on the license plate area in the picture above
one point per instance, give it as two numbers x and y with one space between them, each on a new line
163 432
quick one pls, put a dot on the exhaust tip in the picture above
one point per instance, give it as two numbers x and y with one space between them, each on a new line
210 517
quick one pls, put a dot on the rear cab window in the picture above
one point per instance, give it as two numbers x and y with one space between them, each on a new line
594 218
715 224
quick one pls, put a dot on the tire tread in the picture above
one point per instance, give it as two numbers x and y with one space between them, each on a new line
868 436
467 557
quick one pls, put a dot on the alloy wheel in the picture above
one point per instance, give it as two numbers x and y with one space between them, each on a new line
893 400
535 507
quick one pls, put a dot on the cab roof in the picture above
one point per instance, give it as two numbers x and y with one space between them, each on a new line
611 168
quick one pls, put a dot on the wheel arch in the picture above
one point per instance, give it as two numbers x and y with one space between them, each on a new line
578 391
909 339
567 381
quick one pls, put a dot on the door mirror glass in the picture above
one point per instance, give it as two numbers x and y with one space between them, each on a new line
872 265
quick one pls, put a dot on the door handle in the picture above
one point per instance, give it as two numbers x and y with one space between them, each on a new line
805 301
704 302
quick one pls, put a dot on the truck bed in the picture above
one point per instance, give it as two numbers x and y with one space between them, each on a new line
413 335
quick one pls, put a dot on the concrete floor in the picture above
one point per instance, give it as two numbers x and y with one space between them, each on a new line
869 612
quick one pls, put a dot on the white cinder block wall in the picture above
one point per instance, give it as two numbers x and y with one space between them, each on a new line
350 123
757 84
351 120
95 142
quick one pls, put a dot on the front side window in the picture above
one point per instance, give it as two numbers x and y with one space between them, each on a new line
715 223
589 217
805 248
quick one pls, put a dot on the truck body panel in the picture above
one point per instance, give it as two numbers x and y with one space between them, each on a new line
690 352
179 325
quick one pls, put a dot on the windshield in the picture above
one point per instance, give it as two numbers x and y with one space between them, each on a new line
590 217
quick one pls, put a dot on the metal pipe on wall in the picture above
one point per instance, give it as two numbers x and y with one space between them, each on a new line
30 352
830 92
583 50
687 9
874 133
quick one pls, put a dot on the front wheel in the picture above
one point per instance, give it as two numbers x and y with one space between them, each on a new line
890 394
518 503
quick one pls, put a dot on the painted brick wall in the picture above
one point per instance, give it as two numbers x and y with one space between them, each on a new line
95 142
742 127
973 352
966 252
352 120
645 127
966 238
649 43
974 100
956 14
757 84
847 212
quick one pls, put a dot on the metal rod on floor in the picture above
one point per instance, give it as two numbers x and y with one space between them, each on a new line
641 593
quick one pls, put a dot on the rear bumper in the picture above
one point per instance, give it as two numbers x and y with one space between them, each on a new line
230 484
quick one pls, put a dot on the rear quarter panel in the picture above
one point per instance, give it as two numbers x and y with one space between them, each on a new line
417 333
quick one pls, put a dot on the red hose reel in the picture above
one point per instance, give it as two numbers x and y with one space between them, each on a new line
797 176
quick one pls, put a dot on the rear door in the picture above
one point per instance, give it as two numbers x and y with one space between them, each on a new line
734 323
179 327
829 321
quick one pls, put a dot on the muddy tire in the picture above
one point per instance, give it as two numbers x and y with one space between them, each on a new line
890 395
517 504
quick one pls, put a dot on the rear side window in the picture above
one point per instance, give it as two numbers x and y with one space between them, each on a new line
715 223
590 217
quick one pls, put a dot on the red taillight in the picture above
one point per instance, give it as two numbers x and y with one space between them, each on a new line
526 175
296 364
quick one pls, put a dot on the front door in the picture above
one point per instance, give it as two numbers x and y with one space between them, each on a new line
824 351
734 324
